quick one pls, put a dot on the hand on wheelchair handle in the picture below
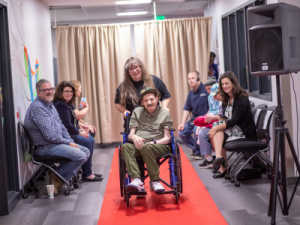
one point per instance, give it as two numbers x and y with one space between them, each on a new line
124 113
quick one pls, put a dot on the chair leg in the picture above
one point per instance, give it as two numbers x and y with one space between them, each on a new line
239 159
229 166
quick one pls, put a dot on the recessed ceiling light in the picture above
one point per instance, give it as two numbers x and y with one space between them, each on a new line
132 13
132 2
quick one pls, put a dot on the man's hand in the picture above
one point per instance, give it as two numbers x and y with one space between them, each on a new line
150 143
181 127
74 145
124 113
138 141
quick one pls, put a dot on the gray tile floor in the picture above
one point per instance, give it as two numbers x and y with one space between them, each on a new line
245 205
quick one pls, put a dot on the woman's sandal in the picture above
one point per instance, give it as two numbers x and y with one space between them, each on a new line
219 174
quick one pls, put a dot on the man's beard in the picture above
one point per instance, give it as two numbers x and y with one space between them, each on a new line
49 98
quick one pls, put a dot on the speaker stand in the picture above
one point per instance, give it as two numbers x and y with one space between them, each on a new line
280 179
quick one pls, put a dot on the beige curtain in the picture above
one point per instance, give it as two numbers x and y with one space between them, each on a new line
171 49
95 55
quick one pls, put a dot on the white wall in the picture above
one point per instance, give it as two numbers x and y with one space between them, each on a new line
30 26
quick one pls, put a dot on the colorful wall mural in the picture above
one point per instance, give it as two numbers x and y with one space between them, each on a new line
32 76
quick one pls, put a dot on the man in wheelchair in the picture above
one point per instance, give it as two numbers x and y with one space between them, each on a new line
150 127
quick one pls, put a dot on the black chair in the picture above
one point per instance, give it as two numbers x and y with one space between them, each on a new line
46 162
252 148
256 112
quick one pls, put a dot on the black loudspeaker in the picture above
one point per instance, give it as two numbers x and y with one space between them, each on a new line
273 39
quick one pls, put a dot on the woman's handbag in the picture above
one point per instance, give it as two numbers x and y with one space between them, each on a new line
200 121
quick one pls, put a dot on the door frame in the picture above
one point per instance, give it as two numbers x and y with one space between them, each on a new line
9 180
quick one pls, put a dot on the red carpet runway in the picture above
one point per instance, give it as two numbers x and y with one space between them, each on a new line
195 204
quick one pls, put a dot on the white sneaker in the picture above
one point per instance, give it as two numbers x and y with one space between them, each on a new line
135 185
157 186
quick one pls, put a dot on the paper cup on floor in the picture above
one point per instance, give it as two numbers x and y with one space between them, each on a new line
50 190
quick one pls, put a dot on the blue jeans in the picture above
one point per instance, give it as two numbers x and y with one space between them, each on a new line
78 156
186 136
88 143
205 146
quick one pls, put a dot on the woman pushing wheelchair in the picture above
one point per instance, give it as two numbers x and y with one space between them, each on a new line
135 79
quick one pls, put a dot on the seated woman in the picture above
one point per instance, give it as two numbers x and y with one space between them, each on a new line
240 123
80 114
63 100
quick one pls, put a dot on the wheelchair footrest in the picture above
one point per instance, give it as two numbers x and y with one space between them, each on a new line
166 192
142 192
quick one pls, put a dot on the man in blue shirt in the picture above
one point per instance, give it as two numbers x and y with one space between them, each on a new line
197 104
50 136
213 68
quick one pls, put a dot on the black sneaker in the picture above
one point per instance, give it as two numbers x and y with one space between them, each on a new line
206 163
192 155
199 156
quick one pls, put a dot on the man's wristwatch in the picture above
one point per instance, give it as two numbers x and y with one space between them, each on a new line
154 141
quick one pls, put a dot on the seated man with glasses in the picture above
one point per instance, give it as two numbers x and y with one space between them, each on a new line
50 136
150 127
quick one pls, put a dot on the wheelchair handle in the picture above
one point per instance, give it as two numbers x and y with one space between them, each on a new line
127 123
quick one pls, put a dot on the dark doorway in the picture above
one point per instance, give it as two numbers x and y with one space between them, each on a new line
9 180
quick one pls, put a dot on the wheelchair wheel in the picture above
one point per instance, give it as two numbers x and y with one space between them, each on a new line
178 169
121 173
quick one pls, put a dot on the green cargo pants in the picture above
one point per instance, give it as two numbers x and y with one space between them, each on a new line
149 153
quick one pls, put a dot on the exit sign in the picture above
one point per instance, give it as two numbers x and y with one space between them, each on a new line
160 17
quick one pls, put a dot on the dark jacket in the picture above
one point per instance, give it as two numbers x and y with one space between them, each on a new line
242 116
68 118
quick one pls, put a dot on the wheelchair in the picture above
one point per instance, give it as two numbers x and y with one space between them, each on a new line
175 169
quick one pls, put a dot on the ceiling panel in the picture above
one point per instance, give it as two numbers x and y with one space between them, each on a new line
193 5
166 8
189 12
107 10
71 14
60 2
100 13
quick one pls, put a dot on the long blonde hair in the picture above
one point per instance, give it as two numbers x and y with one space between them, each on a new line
76 84
127 89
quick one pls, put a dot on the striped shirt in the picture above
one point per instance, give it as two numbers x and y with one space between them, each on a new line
44 124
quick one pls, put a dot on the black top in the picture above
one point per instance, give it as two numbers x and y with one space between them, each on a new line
197 101
242 116
68 118
138 85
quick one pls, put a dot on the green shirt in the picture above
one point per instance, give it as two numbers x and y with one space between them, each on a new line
151 126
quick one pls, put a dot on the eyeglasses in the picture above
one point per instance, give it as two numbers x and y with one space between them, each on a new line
68 92
48 90
134 68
